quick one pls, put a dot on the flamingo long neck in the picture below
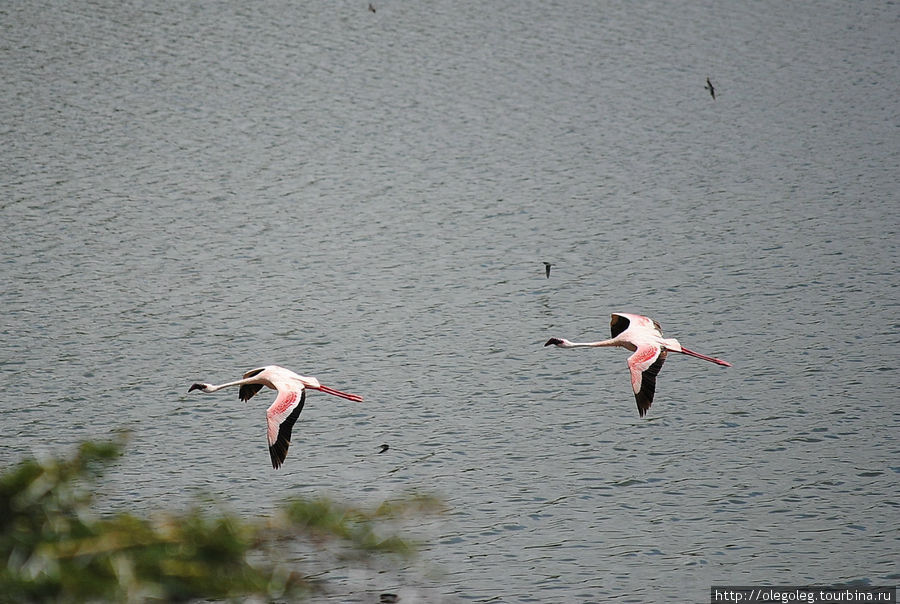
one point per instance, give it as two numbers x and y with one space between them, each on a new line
243 382
601 343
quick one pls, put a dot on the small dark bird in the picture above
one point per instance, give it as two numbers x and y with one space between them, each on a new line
709 86
371 7
384 448
547 266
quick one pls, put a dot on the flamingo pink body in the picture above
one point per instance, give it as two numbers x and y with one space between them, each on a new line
283 413
643 336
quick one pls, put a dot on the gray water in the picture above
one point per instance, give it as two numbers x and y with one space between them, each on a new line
193 189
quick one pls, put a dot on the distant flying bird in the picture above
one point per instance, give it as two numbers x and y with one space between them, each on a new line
709 86
643 336
547 266
371 7
283 413
384 448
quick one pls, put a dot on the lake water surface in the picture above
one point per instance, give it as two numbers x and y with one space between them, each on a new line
190 190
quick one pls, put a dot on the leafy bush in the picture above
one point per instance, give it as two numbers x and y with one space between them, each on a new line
56 548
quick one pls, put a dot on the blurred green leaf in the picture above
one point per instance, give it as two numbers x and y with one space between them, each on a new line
56 549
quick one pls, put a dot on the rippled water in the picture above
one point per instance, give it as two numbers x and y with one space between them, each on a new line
194 189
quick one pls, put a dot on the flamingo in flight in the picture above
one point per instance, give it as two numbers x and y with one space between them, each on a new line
643 336
283 413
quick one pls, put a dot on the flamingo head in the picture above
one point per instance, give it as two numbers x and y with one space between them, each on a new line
556 342
200 387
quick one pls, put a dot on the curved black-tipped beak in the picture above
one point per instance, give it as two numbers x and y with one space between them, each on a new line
553 342
195 387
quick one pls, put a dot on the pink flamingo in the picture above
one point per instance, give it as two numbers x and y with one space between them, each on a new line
283 413
643 336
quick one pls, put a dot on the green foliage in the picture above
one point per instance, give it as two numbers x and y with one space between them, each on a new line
56 549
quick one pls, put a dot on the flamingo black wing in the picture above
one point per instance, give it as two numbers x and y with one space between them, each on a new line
644 396
618 324
644 365
282 416
248 390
